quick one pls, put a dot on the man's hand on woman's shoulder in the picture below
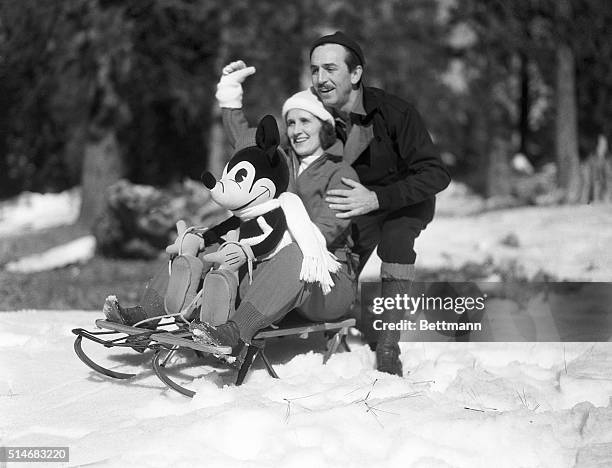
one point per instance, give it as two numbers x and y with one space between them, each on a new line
354 201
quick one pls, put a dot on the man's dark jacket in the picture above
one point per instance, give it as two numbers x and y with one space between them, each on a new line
401 165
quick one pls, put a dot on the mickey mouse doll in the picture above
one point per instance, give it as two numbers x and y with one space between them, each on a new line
282 248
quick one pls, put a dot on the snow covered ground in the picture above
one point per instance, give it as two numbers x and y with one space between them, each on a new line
459 405
567 242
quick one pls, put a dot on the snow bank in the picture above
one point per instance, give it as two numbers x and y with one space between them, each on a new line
460 405
568 242
79 250
565 242
32 211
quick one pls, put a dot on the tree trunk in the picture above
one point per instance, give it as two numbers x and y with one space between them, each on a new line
218 153
75 149
524 105
217 147
496 143
566 119
596 174
102 167
102 164
498 173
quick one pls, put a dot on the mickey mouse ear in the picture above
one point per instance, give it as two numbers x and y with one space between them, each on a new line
267 136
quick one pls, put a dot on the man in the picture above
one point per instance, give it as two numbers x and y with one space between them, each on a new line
396 161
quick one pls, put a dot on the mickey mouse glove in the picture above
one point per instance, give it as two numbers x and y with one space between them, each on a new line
229 88
186 242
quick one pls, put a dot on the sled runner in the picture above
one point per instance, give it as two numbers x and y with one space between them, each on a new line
164 339
141 339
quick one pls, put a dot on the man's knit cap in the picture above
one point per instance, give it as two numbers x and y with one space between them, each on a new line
340 38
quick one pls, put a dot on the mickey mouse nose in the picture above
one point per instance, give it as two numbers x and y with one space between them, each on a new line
209 180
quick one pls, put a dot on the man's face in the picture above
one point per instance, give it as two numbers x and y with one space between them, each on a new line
331 77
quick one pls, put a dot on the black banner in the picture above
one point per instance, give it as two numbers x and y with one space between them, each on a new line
470 311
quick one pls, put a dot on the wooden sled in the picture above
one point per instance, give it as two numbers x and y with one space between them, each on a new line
164 343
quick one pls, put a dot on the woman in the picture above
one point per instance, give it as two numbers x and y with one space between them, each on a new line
315 163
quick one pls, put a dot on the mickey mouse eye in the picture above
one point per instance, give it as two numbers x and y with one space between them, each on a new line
241 175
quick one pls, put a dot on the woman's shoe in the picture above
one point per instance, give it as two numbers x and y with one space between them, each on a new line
226 334
123 315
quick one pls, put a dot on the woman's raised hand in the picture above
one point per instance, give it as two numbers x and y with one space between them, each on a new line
238 71
229 88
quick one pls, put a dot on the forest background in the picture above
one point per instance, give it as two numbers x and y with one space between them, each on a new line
126 88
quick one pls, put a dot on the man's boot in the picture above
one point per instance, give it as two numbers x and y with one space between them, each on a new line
387 349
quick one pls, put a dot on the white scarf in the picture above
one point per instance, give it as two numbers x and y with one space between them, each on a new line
318 262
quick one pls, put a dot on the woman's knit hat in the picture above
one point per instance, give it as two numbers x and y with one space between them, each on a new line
308 101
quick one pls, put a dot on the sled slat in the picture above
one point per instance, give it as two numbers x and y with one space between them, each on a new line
174 340
118 327
299 330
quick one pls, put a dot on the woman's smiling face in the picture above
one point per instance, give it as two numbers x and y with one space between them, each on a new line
303 131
